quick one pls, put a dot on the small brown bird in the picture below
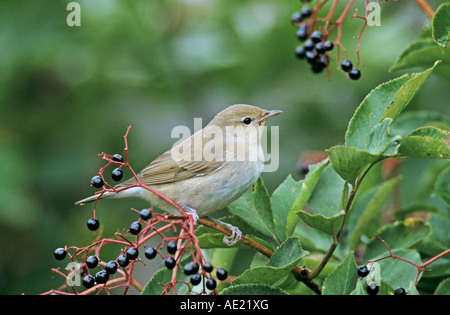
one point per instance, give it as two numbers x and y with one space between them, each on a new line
207 171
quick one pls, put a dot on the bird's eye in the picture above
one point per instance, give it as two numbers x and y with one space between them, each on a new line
247 120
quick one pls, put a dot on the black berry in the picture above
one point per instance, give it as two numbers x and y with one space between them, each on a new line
93 224
305 12
195 279
123 260
308 45
354 74
97 181
302 34
311 57
221 274
191 268
111 267
363 271
101 277
92 262
346 65
150 253
296 18
372 288
145 214
117 158
171 247
117 174
320 48
300 52
135 228
328 45
132 253
399 291
316 36
207 267
317 67
211 284
60 253
169 262
88 281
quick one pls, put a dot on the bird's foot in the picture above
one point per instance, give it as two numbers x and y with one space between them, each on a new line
235 236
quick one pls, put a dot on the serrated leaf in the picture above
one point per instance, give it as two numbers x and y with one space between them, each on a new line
288 254
329 225
303 196
370 112
411 120
284 259
252 289
349 162
367 222
282 200
162 277
342 280
381 141
254 208
406 92
441 25
424 147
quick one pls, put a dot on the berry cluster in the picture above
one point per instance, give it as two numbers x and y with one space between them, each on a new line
192 269
372 288
101 274
315 45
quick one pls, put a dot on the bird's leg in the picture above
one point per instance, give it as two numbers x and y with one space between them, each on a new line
191 212
235 236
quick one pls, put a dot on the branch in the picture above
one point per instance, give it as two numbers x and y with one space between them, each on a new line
301 273
423 4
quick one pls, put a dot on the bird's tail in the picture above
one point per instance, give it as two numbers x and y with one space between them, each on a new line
88 200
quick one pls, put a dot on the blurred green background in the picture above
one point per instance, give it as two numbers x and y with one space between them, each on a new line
69 93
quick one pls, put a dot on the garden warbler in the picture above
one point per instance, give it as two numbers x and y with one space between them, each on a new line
206 171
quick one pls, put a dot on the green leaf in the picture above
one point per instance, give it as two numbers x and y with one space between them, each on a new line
396 272
330 225
162 277
423 53
361 288
350 162
342 280
370 112
282 200
284 259
442 186
370 219
441 25
381 141
424 147
327 195
443 288
252 289
306 190
254 208
288 254
411 120
405 94
399 235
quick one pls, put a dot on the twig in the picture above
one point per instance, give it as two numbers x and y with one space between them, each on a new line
423 4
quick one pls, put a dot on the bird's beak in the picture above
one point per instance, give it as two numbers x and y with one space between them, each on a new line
269 113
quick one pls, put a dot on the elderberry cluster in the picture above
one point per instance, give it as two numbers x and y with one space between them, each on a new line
315 46
192 269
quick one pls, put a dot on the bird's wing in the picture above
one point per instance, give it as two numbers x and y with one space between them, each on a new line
165 169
